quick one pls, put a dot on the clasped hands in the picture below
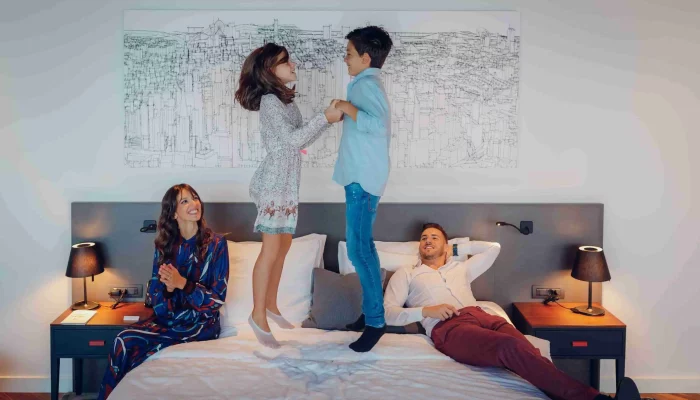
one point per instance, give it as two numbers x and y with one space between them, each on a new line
171 278
333 112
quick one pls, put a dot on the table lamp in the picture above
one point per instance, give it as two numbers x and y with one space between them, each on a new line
590 266
85 260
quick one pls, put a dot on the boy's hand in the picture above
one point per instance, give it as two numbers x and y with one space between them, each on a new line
334 102
340 104
346 107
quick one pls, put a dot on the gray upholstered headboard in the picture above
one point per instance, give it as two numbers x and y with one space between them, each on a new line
542 258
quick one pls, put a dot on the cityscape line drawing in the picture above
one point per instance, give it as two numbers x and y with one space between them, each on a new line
453 91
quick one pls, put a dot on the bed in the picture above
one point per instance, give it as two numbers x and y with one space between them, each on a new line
317 364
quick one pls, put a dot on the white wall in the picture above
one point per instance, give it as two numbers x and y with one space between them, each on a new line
609 108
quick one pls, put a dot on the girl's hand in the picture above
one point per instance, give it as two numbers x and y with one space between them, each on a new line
170 276
333 115
346 107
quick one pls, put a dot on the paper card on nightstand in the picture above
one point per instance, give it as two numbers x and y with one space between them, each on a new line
131 318
78 317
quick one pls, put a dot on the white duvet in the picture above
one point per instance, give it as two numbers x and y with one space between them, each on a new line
316 364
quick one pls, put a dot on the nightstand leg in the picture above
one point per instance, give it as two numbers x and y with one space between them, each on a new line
78 375
619 370
595 374
55 367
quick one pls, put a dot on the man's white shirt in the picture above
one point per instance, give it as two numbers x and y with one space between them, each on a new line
412 288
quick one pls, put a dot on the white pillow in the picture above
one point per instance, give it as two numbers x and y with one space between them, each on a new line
494 309
392 255
388 261
397 247
410 247
294 294
321 239
312 236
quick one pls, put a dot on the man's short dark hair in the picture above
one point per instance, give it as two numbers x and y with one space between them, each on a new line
435 226
372 40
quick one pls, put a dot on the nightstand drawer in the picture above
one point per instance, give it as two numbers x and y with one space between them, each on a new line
84 342
584 342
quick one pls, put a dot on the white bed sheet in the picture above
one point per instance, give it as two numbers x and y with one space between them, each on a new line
315 364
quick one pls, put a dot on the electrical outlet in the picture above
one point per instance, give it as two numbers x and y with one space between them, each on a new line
542 292
134 291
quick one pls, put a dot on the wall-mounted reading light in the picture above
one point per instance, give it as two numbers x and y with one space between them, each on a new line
149 226
526 227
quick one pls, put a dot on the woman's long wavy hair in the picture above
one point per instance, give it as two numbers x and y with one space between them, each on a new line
258 79
168 237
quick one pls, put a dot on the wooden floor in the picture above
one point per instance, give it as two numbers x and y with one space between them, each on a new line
657 396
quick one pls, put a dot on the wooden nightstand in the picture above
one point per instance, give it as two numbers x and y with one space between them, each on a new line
92 340
573 335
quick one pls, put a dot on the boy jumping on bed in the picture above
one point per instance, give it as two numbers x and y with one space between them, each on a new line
437 292
363 169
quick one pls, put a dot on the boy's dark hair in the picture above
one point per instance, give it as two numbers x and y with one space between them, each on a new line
435 226
372 40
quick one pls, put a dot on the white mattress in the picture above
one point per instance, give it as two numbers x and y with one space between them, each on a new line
316 364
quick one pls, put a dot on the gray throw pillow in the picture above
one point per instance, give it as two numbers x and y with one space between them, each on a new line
337 301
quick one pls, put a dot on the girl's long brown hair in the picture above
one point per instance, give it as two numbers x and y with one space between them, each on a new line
258 79
168 236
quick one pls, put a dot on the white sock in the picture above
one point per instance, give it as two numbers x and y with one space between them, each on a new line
265 338
280 320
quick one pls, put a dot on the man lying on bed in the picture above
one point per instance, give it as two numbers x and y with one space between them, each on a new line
437 292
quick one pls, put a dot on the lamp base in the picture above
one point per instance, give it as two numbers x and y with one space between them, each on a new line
592 311
85 305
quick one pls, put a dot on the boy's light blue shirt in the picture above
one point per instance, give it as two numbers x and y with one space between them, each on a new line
363 155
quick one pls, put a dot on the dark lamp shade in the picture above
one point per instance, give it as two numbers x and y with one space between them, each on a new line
85 260
590 265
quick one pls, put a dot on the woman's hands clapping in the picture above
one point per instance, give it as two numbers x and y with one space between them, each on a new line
170 276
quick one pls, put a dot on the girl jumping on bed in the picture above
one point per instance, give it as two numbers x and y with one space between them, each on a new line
187 288
275 185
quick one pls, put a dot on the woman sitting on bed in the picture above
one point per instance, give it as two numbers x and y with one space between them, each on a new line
188 286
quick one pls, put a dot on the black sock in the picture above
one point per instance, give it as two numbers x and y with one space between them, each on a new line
368 339
358 325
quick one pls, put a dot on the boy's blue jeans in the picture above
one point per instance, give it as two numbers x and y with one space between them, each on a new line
360 213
